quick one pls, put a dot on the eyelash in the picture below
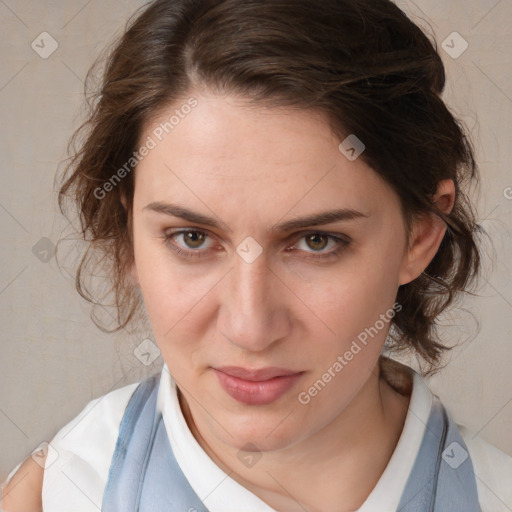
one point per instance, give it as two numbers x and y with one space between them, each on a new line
343 243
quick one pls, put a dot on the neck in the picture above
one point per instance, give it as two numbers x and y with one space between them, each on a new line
359 441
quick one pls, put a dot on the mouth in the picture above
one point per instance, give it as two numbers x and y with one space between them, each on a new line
256 387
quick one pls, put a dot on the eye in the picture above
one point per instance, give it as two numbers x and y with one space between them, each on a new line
188 244
318 241
190 239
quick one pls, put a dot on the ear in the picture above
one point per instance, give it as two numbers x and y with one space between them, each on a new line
427 234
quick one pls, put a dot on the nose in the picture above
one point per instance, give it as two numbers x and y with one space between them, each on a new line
254 313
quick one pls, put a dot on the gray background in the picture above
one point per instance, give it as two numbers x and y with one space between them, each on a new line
54 360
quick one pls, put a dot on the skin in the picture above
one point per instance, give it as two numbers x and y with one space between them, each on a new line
251 168
23 493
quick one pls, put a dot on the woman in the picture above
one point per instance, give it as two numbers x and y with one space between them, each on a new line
281 188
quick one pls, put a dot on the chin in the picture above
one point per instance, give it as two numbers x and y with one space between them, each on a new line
259 432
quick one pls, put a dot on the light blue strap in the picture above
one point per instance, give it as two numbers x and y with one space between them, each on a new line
144 475
124 480
442 478
166 488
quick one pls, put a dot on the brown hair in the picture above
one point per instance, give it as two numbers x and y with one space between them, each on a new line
362 62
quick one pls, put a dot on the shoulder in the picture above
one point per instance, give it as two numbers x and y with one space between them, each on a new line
104 412
493 472
77 460
80 454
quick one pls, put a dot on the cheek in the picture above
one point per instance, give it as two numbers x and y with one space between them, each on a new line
354 295
172 293
356 306
358 309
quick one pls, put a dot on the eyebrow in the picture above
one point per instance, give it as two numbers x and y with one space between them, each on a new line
317 219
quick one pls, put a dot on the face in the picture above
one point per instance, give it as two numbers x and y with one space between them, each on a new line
251 306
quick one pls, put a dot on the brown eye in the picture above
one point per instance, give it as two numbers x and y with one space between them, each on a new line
317 241
316 245
189 243
193 239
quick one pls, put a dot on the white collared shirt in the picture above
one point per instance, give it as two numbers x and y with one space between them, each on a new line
79 457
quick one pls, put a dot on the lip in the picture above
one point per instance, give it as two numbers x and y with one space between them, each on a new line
256 387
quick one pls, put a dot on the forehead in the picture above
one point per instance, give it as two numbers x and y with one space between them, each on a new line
224 149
